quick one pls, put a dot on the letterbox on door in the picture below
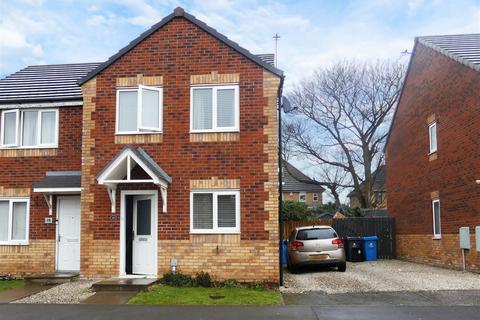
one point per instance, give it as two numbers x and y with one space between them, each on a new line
465 238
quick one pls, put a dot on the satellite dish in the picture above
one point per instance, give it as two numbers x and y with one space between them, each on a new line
286 105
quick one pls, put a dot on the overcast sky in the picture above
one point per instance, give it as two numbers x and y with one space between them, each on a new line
313 33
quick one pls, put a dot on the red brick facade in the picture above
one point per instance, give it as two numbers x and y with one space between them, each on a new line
175 54
439 88
17 175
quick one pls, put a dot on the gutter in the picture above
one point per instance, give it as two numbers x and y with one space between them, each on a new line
280 185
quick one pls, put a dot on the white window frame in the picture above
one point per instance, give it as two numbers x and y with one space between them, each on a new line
215 88
315 196
433 126
140 128
17 120
300 194
19 127
10 221
437 234
215 228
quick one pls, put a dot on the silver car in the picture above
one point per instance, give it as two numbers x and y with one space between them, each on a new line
315 245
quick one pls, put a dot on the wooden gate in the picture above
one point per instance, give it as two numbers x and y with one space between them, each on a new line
383 228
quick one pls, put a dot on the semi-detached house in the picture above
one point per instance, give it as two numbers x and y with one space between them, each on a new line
167 153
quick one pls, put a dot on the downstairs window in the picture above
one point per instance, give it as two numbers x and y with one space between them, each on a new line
14 221
215 211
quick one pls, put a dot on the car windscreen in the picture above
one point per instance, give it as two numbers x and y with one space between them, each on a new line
316 234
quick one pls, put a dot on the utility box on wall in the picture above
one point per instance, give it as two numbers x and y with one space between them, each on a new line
477 237
465 238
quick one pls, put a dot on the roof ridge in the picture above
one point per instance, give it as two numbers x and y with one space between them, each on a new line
179 12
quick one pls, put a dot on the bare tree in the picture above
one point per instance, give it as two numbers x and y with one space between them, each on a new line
341 118
335 179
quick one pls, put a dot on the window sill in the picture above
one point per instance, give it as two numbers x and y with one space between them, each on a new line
215 131
18 243
437 238
29 148
137 133
214 232
432 156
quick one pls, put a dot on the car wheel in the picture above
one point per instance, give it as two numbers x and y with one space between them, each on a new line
342 267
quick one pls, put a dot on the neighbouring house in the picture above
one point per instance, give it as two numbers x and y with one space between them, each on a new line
165 154
432 154
299 187
378 198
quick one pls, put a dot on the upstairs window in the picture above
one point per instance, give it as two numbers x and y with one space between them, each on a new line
29 128
214 108
315 197
139 110
432 133
215 211
13 221
437 228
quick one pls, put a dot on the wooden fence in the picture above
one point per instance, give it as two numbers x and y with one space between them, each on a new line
383 228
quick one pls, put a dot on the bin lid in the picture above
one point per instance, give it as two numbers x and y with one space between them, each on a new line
354 238
370 238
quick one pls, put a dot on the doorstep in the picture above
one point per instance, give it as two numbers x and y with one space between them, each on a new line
124 284
53 277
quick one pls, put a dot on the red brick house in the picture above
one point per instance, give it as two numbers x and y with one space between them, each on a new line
433 159
165 154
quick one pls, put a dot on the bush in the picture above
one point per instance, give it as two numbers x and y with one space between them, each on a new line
203 279
230 283
296 211
177 280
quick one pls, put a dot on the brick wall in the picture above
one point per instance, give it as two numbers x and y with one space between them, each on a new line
180 52
19 169
437 88
294 196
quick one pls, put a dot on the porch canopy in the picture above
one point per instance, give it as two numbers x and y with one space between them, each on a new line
58 182
120 170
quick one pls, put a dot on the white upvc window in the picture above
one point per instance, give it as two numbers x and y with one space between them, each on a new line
302 196
139 110
437 228
432 134
315 197
214 108
14 217
29 128
215 211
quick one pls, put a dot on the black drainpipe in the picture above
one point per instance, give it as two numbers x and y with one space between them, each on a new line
280 178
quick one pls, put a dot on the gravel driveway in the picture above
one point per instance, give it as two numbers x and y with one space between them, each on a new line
382 275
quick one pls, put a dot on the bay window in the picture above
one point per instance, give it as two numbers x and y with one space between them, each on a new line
214 108
29 128
139 110
215 211
14 221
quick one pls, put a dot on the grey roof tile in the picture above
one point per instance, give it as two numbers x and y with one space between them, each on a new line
294 180
464 48
59 179
44 83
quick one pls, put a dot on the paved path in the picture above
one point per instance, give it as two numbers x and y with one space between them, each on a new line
398 298
126 312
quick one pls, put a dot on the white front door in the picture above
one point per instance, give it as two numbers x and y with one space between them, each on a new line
143 255
68 234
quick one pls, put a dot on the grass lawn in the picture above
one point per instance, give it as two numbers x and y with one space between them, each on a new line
9 284
167 295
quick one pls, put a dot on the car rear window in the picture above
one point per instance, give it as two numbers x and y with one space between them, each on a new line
316 234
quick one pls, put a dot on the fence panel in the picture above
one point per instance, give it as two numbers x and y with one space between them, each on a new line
383 228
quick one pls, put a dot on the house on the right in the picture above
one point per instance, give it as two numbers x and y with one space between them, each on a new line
433 153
